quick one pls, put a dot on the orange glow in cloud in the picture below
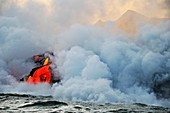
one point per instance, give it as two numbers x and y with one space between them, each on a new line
113 9
21 3
47 4
63 14
108 9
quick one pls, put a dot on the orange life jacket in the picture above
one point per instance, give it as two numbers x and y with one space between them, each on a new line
40 74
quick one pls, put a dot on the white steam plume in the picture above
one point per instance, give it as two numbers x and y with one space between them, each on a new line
126 67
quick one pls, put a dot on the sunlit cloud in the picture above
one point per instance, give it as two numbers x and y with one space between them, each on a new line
84 12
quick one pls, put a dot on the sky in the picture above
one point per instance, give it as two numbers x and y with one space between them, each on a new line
57 15
93 10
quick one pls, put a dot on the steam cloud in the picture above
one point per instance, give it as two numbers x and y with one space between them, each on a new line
97 66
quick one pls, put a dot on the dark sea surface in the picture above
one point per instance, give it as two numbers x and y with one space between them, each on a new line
22 103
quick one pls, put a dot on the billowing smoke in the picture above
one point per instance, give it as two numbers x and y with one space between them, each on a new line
96 65
102 67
